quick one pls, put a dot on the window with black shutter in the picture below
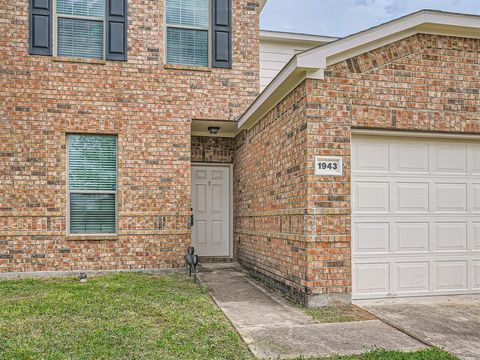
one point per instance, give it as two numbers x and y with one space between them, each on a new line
95 29
198 32
222 34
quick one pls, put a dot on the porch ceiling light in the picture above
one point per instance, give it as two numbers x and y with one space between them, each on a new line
213 130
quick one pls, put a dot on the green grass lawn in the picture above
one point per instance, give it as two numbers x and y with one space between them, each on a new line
125 316
430 354
339 313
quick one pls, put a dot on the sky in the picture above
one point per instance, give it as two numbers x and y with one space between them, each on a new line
344 17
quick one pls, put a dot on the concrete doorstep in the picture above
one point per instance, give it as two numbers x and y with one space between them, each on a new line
272 327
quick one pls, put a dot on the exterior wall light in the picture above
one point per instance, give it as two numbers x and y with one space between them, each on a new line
213 130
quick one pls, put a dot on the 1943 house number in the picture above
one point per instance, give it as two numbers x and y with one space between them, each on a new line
328 165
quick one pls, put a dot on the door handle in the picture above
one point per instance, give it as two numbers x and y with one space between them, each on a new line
191 219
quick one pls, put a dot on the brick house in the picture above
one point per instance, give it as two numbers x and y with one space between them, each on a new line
355 173
61 76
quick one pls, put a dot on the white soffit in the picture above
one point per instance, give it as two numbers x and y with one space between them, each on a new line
227 128
312 63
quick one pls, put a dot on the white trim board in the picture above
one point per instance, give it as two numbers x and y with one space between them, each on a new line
418 134
311 64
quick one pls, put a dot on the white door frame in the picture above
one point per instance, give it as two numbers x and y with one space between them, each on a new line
230 197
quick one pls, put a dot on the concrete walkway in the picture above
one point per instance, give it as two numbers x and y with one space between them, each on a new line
274 328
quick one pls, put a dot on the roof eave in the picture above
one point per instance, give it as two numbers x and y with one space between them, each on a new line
425 21
312 63
295 37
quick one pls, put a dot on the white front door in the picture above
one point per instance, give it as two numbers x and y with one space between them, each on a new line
211 210
416 216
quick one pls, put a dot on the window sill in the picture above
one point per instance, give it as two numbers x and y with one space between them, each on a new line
187 67
79 60
91 237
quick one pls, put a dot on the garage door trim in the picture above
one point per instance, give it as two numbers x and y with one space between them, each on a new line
420 134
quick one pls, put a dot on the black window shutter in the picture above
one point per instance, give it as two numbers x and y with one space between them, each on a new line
222 34
40 42
116 30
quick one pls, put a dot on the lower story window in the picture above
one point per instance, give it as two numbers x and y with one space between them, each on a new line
92 184
92 213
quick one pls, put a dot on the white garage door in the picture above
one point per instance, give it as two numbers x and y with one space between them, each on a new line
416 216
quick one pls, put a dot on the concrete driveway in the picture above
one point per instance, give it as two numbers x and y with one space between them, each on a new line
451 323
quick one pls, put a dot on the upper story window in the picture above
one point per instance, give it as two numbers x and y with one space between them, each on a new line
92 29
188 27
80 28
92 184
198 32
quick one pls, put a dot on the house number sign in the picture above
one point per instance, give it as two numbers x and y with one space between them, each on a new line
328 165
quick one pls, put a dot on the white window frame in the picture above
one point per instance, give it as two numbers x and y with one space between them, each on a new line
188 27
93 192
56 16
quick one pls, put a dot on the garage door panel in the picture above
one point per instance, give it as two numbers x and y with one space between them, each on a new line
412 237
372 197
450 159
415 216
476 274
371 156
475 160
412 157
372 279
450 236
451 275
450 197
411 197
412 277
372 237
476 236
475 196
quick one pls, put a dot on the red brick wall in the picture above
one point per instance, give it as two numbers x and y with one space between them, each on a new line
270 208
147 105
422 83
213 149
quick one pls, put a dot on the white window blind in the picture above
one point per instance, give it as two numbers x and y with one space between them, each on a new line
94 8
80 38
92 183
188 12
189 47
80 28
92 213
188 24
